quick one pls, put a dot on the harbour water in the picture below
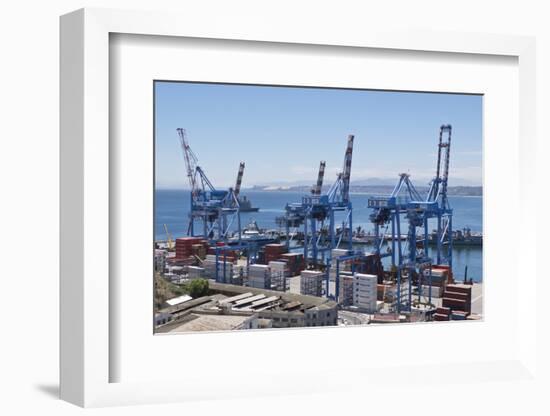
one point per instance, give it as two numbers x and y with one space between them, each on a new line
172 208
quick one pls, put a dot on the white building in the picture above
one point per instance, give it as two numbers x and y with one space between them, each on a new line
364 291
160 260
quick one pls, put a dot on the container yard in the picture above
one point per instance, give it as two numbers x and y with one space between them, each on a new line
316 270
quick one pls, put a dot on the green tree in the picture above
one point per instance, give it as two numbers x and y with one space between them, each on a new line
197 288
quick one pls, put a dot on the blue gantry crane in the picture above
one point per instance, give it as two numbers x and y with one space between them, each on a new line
411 261
438 194
315 210
408 258
217 211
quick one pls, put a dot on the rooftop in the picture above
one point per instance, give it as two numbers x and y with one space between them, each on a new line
293 299
210 323
178 300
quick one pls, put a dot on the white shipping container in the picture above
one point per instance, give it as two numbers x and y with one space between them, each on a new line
436 291
195 272
311 273
338 252
311 282
258 266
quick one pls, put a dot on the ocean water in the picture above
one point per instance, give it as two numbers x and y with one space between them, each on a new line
172 208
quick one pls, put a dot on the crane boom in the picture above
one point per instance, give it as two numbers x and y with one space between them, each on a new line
438 189
340 189
447 155
239 179
346 173
316 189
169 240
190 159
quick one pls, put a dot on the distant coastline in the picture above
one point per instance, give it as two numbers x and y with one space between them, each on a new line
473 191
373 189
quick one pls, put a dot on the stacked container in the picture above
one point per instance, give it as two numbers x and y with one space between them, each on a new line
441 276
199 250
195 272
442 314
458 298
338 252
209 265
279 273
294 261
383 290
335 253
346 289
184 246
371 264
436 291
311 282
230 255
259 276
273 252
239 272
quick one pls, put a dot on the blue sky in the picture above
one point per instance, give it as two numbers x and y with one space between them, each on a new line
282 133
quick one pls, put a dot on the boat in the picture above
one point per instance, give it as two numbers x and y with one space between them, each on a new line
461 238
467 238
245 205
360 236
253 233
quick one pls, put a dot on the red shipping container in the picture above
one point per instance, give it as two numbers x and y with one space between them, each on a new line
455 304
463 297
460 288
443 310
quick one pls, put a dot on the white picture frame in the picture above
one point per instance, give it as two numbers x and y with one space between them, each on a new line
87 356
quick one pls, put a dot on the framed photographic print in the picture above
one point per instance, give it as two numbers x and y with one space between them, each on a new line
305 205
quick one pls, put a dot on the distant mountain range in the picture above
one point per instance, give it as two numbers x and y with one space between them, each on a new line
374 189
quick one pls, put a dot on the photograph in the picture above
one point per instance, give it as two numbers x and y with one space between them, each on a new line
297 207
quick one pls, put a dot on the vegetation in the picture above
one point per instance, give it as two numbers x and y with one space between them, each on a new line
197 288
165 290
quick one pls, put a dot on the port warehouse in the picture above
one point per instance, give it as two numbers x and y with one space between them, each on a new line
324 264
257 308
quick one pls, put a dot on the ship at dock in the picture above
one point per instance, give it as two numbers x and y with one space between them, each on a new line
460 238
252 233
245 205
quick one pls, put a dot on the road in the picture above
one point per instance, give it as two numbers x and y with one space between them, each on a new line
353 318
